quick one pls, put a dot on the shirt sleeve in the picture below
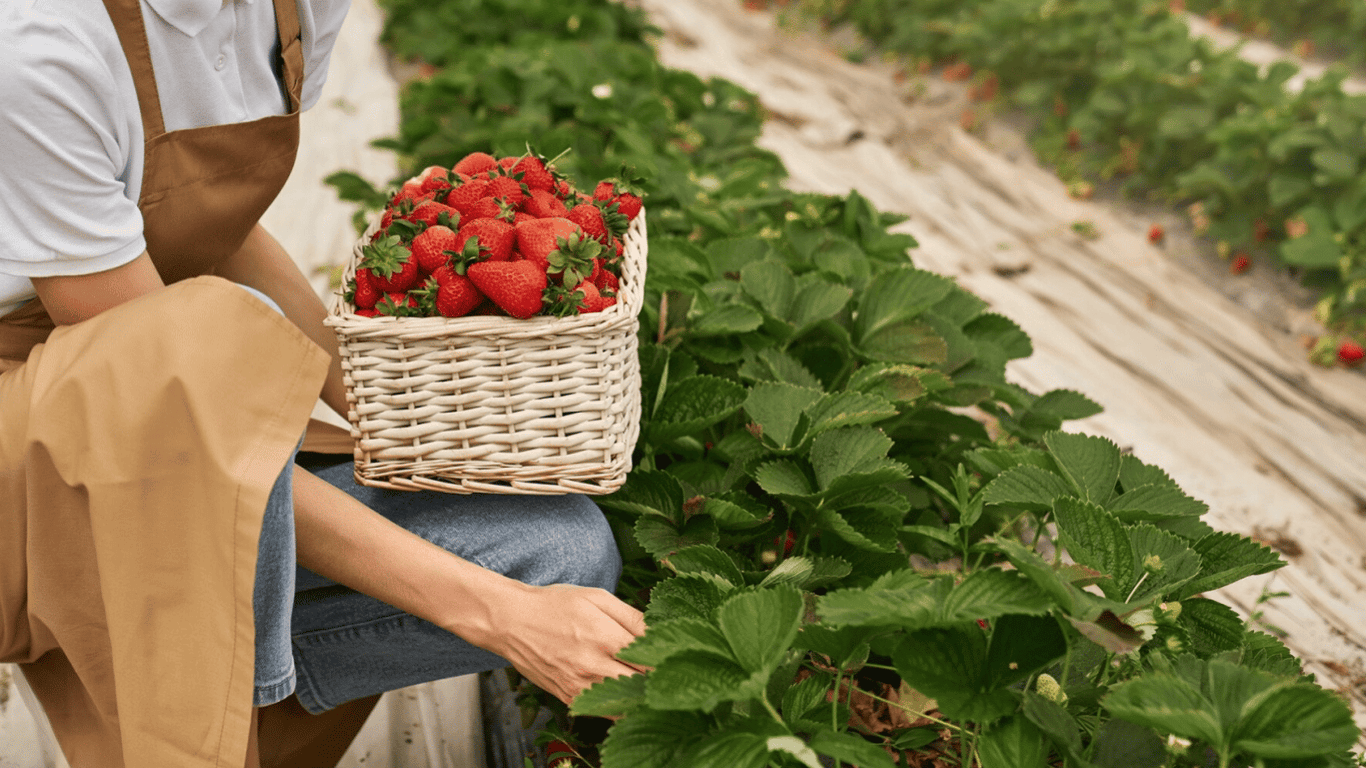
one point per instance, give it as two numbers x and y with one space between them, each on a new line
65 151
320 23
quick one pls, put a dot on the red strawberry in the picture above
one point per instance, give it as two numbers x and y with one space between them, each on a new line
1350 353
364 293
593 301
564 190
589 216
629 205
535 175
607 282
430 248
1240 264
411 190
430 213
490 208
515 286
391 262
508 189
372 312
787 541
538 238
506 163
449 294
605 191
544 205
1156 233
434 178
465 195
475 162
496 238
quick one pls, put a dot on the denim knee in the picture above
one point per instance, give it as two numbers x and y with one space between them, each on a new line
589 556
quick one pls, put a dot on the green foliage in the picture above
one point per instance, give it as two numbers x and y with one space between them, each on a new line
821 419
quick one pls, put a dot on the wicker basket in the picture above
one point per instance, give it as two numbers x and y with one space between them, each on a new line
487 404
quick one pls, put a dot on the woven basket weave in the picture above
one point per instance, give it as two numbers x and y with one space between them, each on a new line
488 404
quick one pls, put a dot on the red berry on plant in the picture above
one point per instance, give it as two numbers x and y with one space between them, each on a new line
1240 264
1156 234
1350 354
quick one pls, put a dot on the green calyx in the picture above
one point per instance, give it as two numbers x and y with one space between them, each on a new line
385 256
573 259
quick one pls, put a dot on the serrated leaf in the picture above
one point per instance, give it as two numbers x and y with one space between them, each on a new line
845 647
1064 405
777 409
648 493
1028 487
794 571
693 404
731 516
663 639
729 255
773 364
761 625
1122 744
989 593
847 450
1044 576
771 284
1094 537
1020 646
706 559
960 306
1150 503
800 699
898 295
1165 703
817 300
1055 722
728 749
851 748
1108 631
686 596
949 665
662 538
898 383
694 680
909 341
847 409
650 739
1265 652
1133 473
913 603
1013 743
1002 332
1090 463
1213 627
1166 560
1226 558
1296 721
612 697
726 320
784 478
864 530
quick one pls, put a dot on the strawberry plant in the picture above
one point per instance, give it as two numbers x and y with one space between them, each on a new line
856 543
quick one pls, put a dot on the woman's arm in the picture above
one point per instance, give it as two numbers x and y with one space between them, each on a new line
564 638
263 264
72 298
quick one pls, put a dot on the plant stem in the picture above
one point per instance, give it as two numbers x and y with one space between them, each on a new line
910 711
771 710
1134 591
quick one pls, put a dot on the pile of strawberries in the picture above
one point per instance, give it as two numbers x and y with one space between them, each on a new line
495 236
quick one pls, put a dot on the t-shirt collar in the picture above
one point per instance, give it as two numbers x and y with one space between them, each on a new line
188 16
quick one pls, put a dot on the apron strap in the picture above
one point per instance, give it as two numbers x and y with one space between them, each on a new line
291 51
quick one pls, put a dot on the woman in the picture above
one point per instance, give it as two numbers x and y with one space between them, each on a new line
149 507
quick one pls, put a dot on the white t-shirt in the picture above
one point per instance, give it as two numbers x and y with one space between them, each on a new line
71 140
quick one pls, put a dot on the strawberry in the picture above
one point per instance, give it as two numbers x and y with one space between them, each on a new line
399 304
372 312
509 190
629 205
590 217
538 238
475 162
391 262
593 301
490 208
544 205
515 286
786 542
534 173
431 213
434 179
1350 354
462 197
574 259
1156 233
433 248
607 282
1240 264
605 191
495 238
506 163
411 190
364 294
449 295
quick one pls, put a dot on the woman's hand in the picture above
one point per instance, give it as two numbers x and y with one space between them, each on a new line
563 638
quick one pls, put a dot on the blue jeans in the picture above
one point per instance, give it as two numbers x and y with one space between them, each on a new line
330 644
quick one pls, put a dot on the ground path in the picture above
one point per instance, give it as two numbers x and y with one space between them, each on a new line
1205 379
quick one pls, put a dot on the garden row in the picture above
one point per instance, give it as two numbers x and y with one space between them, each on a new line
1333 27
1122 91
852 538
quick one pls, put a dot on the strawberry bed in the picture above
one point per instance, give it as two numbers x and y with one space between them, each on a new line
855 542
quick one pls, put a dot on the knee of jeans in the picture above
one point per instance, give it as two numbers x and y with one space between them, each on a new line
588 552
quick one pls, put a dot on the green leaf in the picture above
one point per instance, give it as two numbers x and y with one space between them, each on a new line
729 256
800 699
1095 538
726 320
1185 122
1266 653
1062 405
906 341
1044 576
732 517
663 639
851 748
706 559
351 187
950 666
865 530
694 680
1166 560
773 364
1167 704
761 626
896 296
777 409
1213 627
1295 721
846 451
649 739
693 404
1226 558
771 284
1122 744
728 749
1002 332
846 647
1090 463
914 603
612 697
897 383
847 409
686 596
662 538
1013 743
1285 188
1155 502
785 479
1020 646
989 593
794 571
1316 249
817 300
1334 162
1056 723
648 492
1028 487
1133 474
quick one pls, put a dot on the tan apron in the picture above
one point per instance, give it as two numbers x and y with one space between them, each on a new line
137 451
